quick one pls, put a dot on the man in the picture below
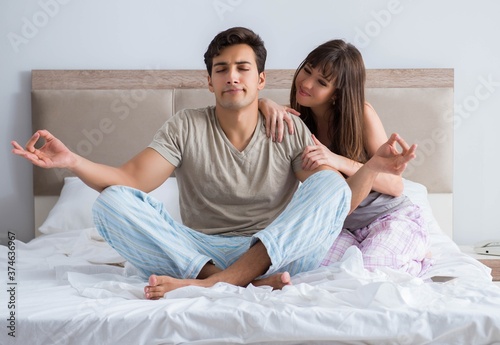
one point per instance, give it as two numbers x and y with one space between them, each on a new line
243 221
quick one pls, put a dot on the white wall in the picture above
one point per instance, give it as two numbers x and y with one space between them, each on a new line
126 34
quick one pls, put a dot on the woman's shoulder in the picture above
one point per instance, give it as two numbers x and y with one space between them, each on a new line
369 110
370 115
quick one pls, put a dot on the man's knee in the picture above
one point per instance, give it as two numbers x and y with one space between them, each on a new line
336 190
330 181
113 199
118 208
115 191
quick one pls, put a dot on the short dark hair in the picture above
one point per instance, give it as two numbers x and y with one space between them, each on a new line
233 36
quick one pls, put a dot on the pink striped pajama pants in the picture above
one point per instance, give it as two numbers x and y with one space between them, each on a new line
398 240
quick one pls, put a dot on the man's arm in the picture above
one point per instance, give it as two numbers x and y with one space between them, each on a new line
145 171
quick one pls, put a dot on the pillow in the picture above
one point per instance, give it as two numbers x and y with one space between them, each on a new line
73 209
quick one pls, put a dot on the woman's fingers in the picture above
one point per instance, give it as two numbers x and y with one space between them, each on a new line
288 118
279 126
312 157
293 111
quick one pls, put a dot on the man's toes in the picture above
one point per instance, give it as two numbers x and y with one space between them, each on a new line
286 279
153 280
151 292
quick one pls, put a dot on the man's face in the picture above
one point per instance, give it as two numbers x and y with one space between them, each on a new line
235 80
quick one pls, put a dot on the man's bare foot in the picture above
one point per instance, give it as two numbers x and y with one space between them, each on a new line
160 285
276 281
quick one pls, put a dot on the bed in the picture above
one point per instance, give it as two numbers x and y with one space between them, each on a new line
70 287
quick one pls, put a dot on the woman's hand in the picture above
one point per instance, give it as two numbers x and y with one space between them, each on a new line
275 115
53 153
389 160
318 154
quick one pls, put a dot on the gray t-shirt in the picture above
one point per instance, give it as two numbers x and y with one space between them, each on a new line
222 190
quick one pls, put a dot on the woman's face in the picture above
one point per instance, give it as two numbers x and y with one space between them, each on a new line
314 90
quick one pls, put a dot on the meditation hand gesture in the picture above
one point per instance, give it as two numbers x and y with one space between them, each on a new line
53 153
388 159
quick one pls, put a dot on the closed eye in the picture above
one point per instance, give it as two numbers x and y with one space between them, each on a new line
321 81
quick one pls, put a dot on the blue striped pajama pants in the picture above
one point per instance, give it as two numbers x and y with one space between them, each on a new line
138 227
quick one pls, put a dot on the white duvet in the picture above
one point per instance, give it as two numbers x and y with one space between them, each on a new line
69 293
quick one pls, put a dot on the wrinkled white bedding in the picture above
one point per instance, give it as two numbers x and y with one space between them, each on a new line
66 294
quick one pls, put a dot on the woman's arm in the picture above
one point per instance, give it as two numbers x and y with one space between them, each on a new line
275 115
375 135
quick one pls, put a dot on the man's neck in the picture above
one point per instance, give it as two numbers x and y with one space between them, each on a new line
238 125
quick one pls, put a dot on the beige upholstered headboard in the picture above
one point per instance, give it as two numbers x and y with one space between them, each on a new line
110 115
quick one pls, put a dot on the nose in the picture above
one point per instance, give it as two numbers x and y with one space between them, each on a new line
233 76
307 83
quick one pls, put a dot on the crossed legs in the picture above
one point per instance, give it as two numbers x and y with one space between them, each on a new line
176 256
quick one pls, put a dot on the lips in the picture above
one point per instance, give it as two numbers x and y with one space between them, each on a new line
301 92
232 90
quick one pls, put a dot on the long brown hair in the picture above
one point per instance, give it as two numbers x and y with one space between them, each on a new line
343 64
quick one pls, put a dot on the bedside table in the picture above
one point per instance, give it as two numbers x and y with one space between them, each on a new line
492 261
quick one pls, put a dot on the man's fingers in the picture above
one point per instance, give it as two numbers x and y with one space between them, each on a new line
16 145
42 133
21 151
30 145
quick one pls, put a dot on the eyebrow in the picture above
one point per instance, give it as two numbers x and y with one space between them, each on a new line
328 79
223 63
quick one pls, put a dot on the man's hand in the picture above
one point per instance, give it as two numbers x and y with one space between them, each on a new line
388 159
53 154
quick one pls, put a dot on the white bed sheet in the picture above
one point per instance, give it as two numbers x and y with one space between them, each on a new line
65 295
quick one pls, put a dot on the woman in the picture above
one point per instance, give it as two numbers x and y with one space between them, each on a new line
328 94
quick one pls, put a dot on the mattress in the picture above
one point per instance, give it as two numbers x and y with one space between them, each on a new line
71 288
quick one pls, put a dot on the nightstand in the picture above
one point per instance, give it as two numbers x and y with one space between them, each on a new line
492 261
